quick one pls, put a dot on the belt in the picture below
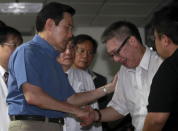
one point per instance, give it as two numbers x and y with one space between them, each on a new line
37 118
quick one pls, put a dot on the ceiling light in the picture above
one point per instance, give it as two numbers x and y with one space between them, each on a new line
19 7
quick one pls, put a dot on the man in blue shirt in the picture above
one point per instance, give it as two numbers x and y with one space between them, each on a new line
38 87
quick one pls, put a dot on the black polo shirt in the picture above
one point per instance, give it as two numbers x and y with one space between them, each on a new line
164 92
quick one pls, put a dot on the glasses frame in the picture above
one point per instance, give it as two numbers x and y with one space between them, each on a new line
12 45
85 51
117 51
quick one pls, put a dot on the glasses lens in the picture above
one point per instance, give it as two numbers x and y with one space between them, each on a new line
82 51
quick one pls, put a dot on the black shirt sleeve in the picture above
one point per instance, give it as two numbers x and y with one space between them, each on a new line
163 93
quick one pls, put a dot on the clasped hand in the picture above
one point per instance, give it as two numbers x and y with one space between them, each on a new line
87 116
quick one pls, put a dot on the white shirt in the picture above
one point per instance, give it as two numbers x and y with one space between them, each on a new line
133 88
81 81
4 117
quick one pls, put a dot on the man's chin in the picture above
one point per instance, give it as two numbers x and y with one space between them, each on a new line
83 67
130 66
126 64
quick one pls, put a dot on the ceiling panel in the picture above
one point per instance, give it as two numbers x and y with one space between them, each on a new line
133 1
107 20
24 23
83 20
126 9
3 1
87 9
92 12
87 1
77 1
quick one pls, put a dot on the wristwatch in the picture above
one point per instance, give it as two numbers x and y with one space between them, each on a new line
104 89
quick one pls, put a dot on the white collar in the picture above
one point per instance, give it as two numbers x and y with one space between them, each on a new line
2 71
144 63
92 74
69 70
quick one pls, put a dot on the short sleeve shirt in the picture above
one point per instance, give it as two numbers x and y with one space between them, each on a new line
133 87
164 91
35 62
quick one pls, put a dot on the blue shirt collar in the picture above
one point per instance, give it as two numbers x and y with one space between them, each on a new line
44 44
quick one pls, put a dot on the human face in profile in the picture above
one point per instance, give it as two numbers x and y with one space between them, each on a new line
160 43
62 33
125 51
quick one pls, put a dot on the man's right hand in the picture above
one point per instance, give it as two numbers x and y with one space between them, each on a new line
87 116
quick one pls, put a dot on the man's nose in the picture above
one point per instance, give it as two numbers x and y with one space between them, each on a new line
85 54
70 34
67 51
118 59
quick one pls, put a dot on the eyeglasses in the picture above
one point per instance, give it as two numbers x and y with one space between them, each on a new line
117 51
70 47
82 51
12 45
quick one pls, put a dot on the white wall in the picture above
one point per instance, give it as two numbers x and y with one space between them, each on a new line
102 64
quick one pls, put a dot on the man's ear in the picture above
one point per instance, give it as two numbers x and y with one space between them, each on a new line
132 41
49 24
165 40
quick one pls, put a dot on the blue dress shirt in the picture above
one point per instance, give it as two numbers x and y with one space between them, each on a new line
35 62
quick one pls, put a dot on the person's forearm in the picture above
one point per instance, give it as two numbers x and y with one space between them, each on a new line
36 96
155 121
88 97
84 98
110 114
152 128
104 115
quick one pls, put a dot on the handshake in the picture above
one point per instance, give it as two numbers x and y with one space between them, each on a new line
88 115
